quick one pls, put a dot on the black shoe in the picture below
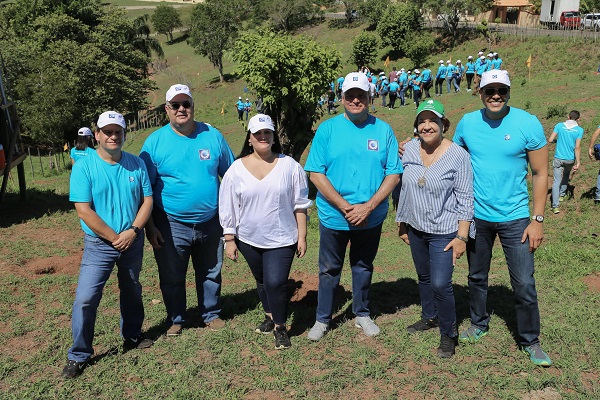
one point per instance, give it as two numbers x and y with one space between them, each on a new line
447 346
282 341
422 325
139 342
266 326
73 369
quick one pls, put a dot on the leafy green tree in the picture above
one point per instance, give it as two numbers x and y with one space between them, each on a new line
364 49
141 39
166 19
290 74
418 47
398 21
66 70
214 30
372 11
450 12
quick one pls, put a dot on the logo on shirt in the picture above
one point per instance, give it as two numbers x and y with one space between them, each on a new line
204 154
131 179
506 137
373 145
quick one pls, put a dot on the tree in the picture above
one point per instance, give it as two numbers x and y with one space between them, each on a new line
67 66
418 47
398 21
350 7
214 29
141 39
290 15
364 50
450 12
165 19
290 74
372 11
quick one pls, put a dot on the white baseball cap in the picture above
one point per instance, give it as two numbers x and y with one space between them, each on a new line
448 61
355 80
84 131
441 62
416 71
178 89
480 53
458 62
260 121
482 58
470 58
111 117
495 76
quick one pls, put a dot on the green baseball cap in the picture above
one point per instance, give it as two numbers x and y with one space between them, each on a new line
431 105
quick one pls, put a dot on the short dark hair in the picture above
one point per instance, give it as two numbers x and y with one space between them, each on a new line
574 115
247 149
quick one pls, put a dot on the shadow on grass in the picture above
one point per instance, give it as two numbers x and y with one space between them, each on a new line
38 203
590 194
229 78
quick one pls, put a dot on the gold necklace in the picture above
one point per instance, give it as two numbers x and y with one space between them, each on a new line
422 180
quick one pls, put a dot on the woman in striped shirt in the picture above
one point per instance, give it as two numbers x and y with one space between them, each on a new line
434 214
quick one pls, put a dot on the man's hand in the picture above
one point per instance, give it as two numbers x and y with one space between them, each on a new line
401 146
124 240
535 233
357 214
154 237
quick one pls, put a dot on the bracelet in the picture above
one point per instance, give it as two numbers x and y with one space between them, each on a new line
229 240
464 239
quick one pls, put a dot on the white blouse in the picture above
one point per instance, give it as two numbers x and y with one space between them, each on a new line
260 212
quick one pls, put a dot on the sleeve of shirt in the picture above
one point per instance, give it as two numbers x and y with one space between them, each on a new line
150 165
227 158
80 185
316 156
301 200
458 133
463 188
146 186
393 164
536 138
229 204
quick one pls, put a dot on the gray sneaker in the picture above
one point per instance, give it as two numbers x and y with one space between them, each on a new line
368 326
317 331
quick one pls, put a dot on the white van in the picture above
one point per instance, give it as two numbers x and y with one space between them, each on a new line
591 21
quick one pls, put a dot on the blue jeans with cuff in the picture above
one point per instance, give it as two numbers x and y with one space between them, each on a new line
562 171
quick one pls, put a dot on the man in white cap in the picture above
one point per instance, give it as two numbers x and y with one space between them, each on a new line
240 107
247 107
113 199
470 72
185 159
480 68
351 199
440 77
503 142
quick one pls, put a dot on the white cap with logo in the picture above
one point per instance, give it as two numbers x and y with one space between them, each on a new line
84 131
111 117
178 89
495 76
355 80
259 122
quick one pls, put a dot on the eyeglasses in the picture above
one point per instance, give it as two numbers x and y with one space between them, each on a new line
176 106
502 91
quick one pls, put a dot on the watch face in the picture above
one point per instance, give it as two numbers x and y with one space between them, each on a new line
539 218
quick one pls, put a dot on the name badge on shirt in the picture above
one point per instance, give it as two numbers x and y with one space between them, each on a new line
204 154
373 145
506 137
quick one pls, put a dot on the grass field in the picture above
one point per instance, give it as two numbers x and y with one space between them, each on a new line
41 241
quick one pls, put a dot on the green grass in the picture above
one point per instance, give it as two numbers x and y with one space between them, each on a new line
237 363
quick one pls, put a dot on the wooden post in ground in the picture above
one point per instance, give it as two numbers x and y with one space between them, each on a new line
41 163
30 161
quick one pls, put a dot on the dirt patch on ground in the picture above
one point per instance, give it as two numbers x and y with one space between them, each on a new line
593 282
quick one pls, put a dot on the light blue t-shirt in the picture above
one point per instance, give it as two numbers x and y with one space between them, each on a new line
184 171
441 72
416 82
355 159
115 191
496 63
426 75
394 87
340 82
498 150
77 154
449 70
481 67
565 142
403 80
374 79
470 67
240 105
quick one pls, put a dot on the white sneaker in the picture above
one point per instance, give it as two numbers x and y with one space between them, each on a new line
368 326
317 331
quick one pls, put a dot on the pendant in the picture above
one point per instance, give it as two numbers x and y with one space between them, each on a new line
421 181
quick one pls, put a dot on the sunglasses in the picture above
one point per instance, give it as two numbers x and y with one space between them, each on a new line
502 91
175 106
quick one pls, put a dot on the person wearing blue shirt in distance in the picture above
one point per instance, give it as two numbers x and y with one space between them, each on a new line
247 107
593 157
113 199
351 210
459 71
567 155
239 105
84 145
449 75
503 142
440 77
416 85
394 88
470 72
434 214
496 61
426 81
340 82
403 82
409 91
185 160
480 68
384 90
488 62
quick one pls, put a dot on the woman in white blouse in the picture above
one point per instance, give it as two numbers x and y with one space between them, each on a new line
262 207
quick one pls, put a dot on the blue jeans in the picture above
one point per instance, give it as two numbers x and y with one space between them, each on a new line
203 243
99 259
520 268
434 269
448 83
562 171
402 93
332 249
383 103
271 270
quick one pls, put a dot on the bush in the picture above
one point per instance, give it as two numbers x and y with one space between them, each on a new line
556 111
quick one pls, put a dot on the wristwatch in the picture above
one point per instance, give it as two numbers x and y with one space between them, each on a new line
135 229
538 218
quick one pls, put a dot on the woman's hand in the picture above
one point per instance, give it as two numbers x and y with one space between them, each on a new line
403 232
301 248
231 250
458 249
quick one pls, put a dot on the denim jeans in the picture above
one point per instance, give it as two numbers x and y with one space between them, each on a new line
520 268
562 171
402 94
456 83
203 243
332 249
383 103
448 83
416 96
439 85
393 96
99 259
434 269
271 270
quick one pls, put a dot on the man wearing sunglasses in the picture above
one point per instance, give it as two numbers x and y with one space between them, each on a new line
185 159
502 141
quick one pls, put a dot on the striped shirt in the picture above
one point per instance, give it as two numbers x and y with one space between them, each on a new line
446 197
